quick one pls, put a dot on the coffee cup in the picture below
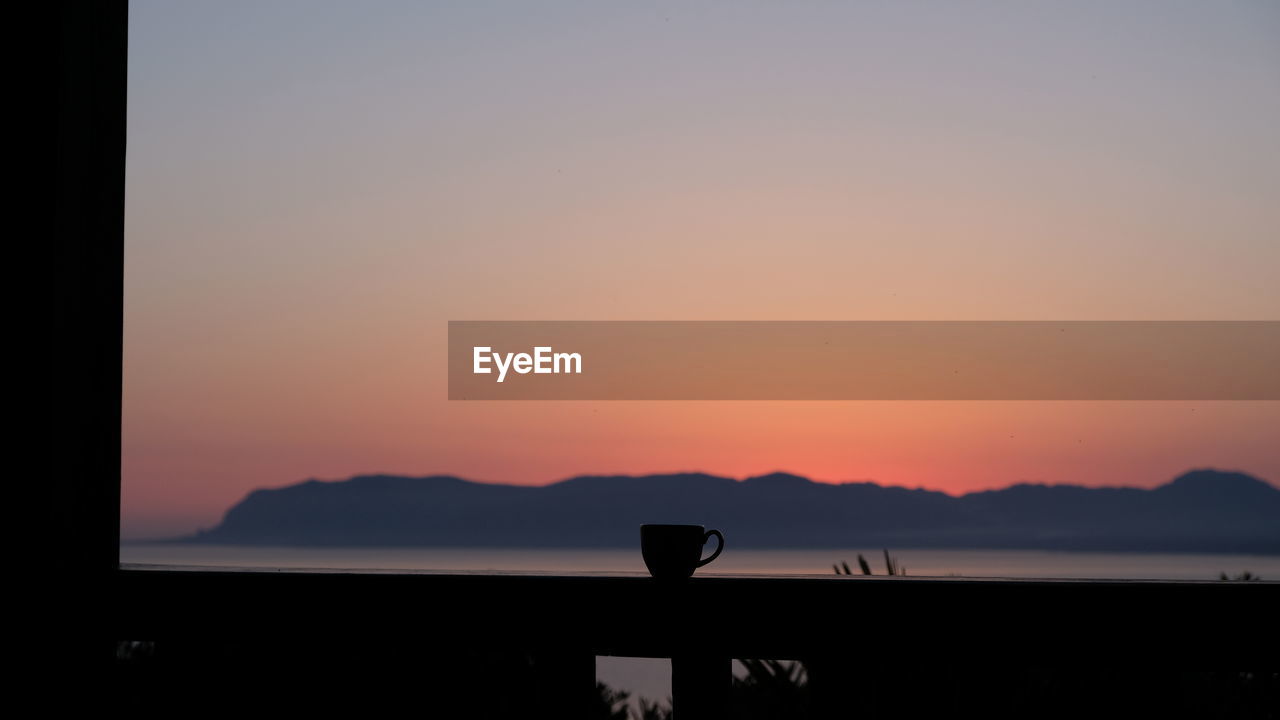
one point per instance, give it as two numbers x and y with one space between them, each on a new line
673 552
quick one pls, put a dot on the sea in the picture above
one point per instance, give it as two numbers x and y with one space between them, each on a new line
651 678
917 562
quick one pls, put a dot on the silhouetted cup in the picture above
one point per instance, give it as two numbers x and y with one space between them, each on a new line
673 552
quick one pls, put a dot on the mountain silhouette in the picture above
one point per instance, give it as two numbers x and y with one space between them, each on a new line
1200 511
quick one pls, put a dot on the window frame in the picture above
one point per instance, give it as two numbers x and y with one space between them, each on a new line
1049 621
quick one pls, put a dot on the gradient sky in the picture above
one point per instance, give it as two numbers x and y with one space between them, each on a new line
315 188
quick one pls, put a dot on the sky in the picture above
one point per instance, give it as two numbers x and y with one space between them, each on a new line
314 189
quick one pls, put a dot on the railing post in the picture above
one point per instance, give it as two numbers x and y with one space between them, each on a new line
565 684
700 687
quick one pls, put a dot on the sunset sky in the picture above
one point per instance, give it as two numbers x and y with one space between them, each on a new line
315 188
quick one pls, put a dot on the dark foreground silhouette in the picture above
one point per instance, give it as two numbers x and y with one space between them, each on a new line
372 677
866 665
1200 511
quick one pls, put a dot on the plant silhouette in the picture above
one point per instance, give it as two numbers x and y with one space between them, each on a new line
891 564
610 704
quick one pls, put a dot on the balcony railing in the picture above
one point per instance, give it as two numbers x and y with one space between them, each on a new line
854 626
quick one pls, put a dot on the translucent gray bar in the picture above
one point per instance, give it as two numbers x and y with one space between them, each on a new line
979 360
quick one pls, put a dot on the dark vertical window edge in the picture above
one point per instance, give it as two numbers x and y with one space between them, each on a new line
90 48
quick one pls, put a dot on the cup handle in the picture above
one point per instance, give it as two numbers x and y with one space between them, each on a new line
719 547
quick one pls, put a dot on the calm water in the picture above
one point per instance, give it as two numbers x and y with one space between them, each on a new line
651 678
970 563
